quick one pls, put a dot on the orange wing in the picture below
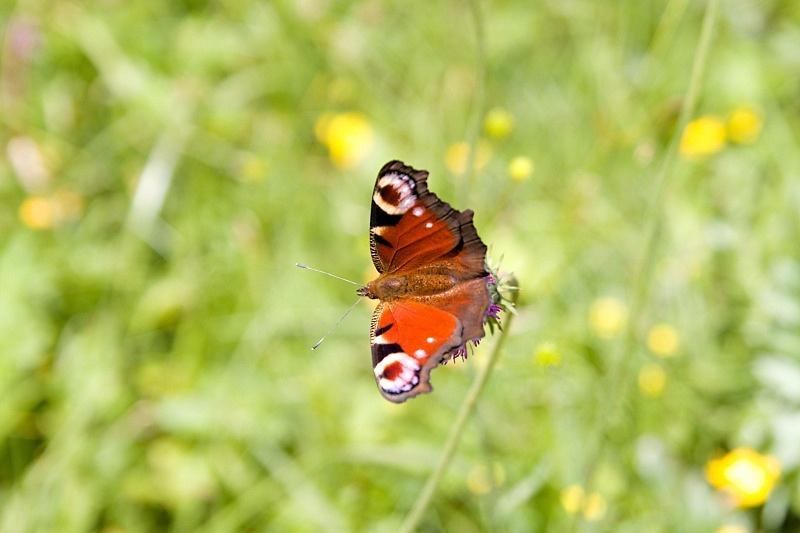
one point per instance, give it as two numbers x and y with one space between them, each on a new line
414 235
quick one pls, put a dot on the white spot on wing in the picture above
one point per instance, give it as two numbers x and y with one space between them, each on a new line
429 225
418 212
430 340
420 354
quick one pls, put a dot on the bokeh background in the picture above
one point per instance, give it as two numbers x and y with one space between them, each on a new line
165 164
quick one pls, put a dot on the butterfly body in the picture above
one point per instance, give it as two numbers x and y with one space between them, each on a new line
419 284
433 283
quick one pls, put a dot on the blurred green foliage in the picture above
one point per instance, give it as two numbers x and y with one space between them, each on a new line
162 174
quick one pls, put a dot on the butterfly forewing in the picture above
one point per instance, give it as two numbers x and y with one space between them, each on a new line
409 226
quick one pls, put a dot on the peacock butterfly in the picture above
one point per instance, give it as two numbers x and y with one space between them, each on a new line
433 285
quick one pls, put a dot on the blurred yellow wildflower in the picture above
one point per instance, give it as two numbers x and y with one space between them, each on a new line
745 474
481 481
520 168
37 212
592 505
744 125
608 316
663 340
43 212
498 123
731 528
595 507
703 136
456 157
652 379
547 354
348 137
572 498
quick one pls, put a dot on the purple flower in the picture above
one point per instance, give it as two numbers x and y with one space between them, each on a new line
462 352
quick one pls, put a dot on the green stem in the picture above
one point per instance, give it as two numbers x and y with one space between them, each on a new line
467 408
647 261
665 172
620 370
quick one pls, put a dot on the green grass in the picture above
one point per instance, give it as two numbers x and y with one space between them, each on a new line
155 370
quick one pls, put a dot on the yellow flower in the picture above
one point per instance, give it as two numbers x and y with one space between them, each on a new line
744 125
663 340
456 157
595 507
520 168
348 137
592 505
547 354
42 212
37 212
572 498
745 474
652 379
703 136
498 123
731 528
608 316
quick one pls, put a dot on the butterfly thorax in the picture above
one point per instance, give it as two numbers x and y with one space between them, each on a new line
392 286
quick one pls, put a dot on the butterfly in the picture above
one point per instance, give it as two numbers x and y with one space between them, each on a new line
433 285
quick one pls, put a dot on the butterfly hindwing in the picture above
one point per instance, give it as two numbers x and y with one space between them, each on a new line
409 339
468 301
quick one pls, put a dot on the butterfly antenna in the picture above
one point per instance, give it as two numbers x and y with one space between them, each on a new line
328 274
338 322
